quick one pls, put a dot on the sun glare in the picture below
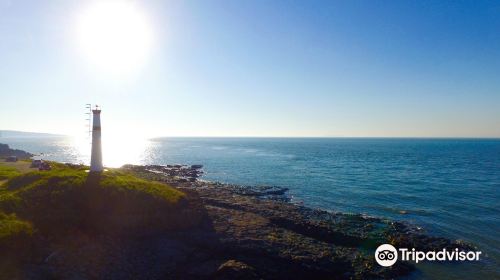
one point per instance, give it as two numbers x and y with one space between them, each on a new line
114 36
117 149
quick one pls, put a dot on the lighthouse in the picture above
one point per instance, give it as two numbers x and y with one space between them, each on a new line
96 155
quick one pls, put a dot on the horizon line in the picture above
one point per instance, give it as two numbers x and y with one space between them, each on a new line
297 137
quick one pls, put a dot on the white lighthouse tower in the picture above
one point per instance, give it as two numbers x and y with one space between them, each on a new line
96 155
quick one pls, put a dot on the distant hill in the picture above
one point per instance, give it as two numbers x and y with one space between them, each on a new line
6 151
15 133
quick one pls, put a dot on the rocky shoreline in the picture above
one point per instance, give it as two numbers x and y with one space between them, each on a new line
232 232
6 151
256 233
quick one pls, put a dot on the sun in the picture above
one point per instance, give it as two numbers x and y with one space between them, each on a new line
114 36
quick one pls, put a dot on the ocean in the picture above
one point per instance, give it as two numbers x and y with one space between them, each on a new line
450 187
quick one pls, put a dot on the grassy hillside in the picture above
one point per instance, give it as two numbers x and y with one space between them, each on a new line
67 199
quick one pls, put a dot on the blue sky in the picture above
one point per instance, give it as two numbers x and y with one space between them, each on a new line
263 68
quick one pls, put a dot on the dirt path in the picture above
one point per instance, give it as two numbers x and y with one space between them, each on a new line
21 165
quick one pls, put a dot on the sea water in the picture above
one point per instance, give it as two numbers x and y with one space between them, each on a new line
450 187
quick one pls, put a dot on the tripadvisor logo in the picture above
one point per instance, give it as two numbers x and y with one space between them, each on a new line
387 255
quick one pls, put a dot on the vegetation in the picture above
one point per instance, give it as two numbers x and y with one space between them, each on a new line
63 178
11 226
7 172
15 243
36 205
66 198
69 198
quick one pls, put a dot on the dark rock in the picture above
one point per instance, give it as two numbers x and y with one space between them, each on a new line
11 159
233 269
6 151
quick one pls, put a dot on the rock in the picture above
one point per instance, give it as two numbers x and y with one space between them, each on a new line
6 151
233 269
259 190
171 174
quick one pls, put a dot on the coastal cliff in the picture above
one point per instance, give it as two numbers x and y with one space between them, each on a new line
162 222
6 151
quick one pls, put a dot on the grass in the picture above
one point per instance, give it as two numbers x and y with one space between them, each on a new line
10 170
7 172
11 225
60 179
36 206
63 177
128 182
15 244
66 198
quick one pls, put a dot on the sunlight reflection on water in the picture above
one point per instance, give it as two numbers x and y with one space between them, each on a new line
116 150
